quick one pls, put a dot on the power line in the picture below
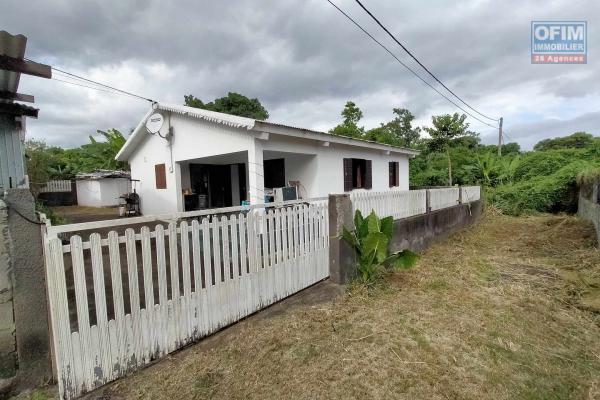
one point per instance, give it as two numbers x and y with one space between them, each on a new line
103 85
419 62
81 85
406 66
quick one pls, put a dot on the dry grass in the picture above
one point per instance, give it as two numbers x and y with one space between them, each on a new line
499 311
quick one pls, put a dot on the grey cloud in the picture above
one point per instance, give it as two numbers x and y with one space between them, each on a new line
302 59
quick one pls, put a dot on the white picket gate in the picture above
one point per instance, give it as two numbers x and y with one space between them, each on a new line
119 300
56 186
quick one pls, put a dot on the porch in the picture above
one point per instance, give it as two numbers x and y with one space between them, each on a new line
238 178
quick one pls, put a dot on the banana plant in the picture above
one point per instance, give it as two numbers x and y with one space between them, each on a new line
370 239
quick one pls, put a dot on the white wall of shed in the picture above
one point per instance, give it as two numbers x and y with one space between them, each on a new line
101 192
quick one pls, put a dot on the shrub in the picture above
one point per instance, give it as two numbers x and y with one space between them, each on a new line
370 239
552 193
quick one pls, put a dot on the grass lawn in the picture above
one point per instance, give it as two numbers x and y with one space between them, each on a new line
508 309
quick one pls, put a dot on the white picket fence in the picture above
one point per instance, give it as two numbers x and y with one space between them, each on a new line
443 198
470 193
395 203
119 300
56 186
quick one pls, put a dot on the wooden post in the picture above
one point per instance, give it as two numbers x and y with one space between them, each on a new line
500 138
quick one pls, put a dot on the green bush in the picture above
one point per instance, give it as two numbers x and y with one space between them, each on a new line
554 192
370 239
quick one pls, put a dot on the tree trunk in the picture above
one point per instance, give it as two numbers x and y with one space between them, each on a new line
449 167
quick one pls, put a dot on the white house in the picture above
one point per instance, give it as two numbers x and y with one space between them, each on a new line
102 188
198 158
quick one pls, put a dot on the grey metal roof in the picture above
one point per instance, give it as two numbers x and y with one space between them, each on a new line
12 46
103 174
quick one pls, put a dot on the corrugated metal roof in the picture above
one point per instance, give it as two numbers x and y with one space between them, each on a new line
212 116
12 46
103 174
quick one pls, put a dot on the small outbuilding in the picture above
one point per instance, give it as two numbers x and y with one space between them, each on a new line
102 188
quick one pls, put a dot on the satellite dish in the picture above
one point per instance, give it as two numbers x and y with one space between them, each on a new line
154 123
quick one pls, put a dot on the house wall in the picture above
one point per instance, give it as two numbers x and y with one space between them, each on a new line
323 174
192 139
102 192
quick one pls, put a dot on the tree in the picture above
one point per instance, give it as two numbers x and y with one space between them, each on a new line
233 103
39 160
447 128
349 127
577 140
401 128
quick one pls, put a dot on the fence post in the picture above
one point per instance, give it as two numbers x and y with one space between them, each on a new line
427 201
460 195
29 290
342 258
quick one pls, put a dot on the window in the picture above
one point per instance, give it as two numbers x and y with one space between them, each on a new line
394 173
357 174
161 176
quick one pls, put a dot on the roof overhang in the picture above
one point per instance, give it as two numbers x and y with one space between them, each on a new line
327 138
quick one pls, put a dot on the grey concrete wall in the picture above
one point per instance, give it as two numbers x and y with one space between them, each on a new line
342 258
419 232
29 290
588 207
8 347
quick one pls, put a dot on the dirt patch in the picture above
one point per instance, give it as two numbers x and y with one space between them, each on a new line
492 313
77 214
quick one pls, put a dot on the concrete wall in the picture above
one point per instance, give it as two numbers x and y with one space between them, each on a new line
419 232
102 192
588 207
319 168
29 290
8 344
414 233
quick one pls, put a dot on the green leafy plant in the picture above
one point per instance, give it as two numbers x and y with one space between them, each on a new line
370 239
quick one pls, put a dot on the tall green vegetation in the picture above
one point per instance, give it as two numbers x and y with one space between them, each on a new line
233 103
47 162
540 180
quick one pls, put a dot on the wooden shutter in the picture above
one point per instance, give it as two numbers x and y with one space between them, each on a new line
391 171
368 175
161 176
394 173
397 172
347 174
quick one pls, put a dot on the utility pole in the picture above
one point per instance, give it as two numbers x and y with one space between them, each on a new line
500 138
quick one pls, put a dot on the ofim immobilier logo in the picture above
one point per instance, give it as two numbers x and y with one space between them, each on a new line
559 42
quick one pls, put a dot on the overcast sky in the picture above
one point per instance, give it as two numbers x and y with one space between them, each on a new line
304 60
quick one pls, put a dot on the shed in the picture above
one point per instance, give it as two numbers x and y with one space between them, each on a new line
102 188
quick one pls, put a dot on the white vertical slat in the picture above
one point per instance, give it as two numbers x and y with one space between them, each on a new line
150 344
187 316
134 348
264 288
272 255
162 328
59 314
277 267
83 320
175 305
212 313
245 277
103 366
220 305
200 304
119 336
226 294
235 265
